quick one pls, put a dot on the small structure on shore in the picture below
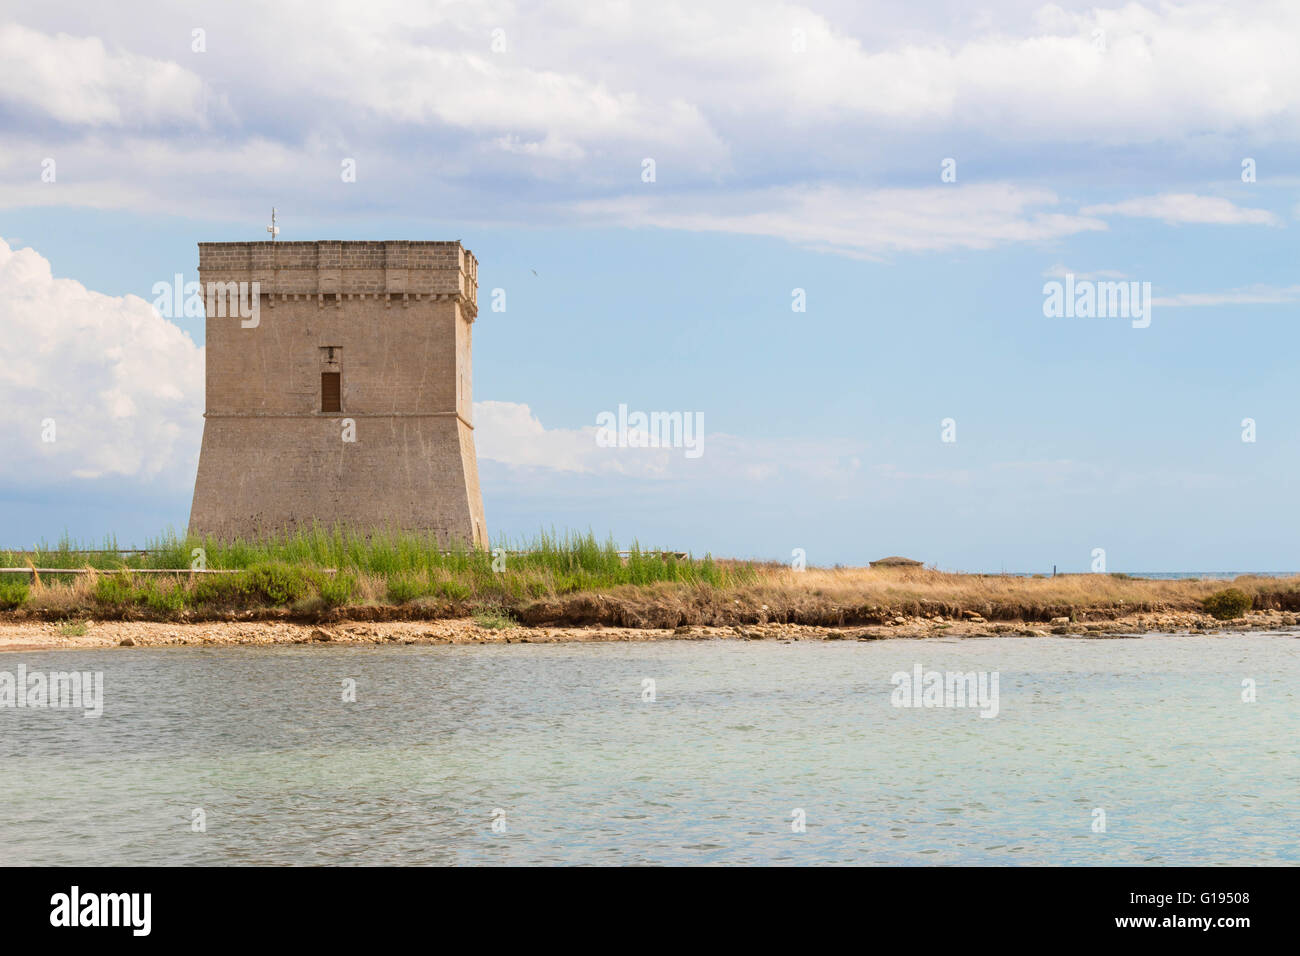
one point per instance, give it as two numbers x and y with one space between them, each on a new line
896 562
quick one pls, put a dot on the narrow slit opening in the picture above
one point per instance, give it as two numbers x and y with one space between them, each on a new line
331 392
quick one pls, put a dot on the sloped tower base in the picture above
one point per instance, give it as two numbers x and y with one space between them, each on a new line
420 475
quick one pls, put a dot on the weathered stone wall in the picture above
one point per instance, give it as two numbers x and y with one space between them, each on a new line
399 316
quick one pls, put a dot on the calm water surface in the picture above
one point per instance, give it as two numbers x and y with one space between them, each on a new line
1153 731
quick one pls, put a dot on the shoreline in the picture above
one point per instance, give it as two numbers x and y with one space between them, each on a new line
43 636
567 597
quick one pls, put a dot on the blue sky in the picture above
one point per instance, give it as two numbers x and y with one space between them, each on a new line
1110 157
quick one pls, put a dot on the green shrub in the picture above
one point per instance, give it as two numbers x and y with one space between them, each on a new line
73 629
337 589
278 583
12 594
404 588
1227 604
454 590
221 589
165 600
115 590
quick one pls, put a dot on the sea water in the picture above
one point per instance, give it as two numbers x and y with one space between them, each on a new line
1151 751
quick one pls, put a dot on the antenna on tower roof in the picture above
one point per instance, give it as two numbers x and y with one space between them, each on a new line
273 229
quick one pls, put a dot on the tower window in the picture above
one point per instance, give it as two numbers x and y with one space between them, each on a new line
331 392
331 378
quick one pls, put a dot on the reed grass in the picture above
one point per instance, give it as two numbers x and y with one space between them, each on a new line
331 567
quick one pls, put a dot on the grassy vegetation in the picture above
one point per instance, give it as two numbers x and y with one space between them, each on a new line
13 593
574 580
317 570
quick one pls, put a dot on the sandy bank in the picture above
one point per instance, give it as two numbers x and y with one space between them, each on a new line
127 634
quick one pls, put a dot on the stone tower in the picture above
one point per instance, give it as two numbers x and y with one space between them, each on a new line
338 389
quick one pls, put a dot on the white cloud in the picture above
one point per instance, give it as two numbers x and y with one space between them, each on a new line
136 172
1060 271
558 110
735 117
78 80
511 434
1252 295
123 386
1186 208
864 222
1159 73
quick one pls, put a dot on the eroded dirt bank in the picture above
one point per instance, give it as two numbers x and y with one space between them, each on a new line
38 635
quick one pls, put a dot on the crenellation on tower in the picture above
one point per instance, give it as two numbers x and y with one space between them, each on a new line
393 267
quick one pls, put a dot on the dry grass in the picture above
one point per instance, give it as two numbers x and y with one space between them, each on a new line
853 596
969 590
730 593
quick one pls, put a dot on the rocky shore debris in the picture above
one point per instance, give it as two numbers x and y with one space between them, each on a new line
38 634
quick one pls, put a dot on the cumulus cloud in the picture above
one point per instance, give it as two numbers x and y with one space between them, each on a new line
136 172
117 387
511 434
1176 208
78 80
542 113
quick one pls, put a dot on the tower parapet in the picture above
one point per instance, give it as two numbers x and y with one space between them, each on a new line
335 270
